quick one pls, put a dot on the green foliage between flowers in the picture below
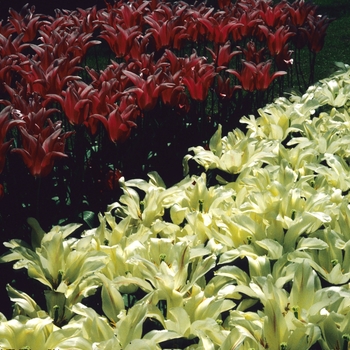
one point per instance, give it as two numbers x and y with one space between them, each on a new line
258 259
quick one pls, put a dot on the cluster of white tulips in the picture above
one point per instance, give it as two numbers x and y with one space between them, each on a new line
258 262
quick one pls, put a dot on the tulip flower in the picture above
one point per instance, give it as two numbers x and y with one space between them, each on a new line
224 3
167 35
223 56
120 40
199 80
13 47
219 31
28 24
39 153
5 125
112 179
76 103
51 81
251 54
120 120
256 76
316 32
246 25
274 16
224 90
74 43
146 91
6 64
277 41
299 12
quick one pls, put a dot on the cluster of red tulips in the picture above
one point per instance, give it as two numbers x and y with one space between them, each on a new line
195 62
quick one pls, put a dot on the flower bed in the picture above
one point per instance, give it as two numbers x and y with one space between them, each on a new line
90 94
259 259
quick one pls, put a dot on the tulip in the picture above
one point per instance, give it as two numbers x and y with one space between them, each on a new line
9 47
120 120
167 35
28 24
39 153
246 25
112 179
146 91
219 31
299 12
316 32
251 54
256 76
119 124
276 42
223 56
5 125
51 81
224 3
76 103
274 16
224 90
35 121
120 40
199 80
6 64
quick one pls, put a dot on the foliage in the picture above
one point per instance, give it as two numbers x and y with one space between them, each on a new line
258 259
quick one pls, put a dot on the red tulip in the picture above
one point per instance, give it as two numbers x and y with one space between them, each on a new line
6 123
49 81
224 90
223 56
120 40
256 76
224 3
112 179
27 24
218 31
146 91
316 32
12 48
7 29
274 16
35 121
120 123
276 41
75 102
278 45
167 34
198 81
67 43
251 54
299 12
246 24
88 19
39 153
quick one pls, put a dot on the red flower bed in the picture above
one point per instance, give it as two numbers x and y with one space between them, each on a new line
176 70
